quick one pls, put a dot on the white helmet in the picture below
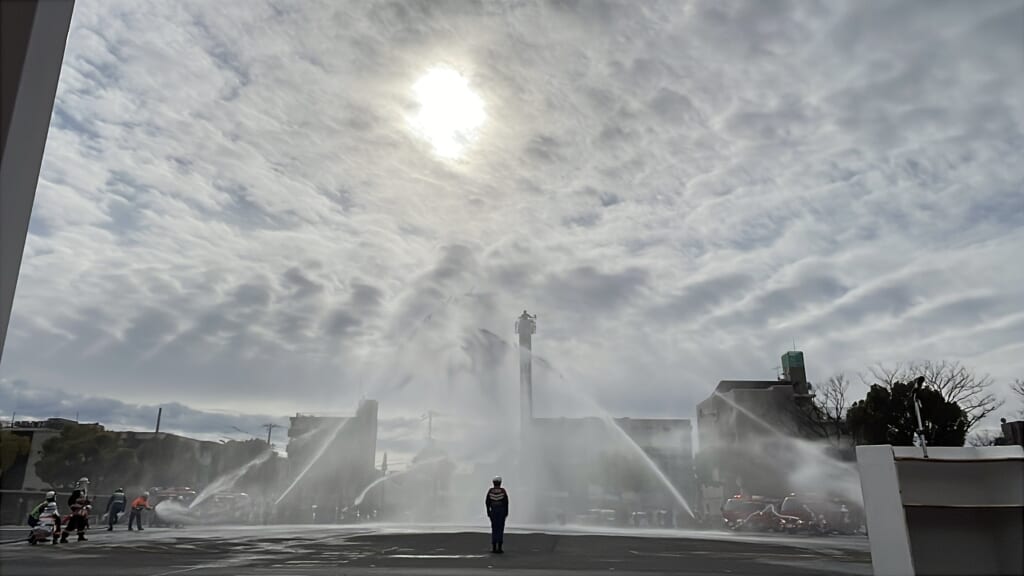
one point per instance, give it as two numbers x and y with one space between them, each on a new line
145 494
51 495
496 479
83 480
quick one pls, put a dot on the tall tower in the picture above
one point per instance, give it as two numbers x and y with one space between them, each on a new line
526 327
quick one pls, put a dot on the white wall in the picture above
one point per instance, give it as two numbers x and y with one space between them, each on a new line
959 511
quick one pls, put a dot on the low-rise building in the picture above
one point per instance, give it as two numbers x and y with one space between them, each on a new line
744 428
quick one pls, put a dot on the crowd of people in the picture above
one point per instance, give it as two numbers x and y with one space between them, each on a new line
48 523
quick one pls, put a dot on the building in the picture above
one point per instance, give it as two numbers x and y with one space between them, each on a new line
335 458
1012 433
744 429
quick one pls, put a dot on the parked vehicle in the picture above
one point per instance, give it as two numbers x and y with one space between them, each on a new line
180 495
749 513
597 516
234 508
806 514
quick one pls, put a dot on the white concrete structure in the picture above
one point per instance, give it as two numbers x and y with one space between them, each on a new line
958 511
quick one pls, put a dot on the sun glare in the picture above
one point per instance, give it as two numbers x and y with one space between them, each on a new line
450 113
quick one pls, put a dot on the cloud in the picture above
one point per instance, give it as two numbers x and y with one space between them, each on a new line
233 212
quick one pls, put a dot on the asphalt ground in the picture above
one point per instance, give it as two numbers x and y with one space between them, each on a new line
384 550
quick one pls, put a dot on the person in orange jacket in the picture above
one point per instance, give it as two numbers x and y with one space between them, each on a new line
138 505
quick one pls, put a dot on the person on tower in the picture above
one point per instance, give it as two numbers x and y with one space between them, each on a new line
497 510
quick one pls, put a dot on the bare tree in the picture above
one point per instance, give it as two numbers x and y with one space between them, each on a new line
956 382
825 416
1017 387
831 398
983 438
884 375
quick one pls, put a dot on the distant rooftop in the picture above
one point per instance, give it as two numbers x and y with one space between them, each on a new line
730 385
49 424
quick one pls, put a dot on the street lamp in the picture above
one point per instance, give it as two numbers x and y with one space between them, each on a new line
917 383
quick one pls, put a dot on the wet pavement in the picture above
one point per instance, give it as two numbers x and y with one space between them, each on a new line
392 550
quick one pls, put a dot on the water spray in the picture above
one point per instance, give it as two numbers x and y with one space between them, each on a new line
650 463
228 480
840 469
629 442
382 479
328 440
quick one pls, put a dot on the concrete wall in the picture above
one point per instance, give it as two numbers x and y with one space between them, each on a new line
32 38
35 454
959 511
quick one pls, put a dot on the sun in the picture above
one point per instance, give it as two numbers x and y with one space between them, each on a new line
450 113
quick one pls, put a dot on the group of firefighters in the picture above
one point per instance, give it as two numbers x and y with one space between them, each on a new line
47 513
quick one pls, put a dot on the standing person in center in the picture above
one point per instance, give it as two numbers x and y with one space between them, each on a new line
138 505
497 511
115 507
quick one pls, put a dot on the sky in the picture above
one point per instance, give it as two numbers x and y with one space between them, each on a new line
250 209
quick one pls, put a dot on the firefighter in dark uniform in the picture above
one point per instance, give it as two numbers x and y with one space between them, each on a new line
80 506
497 511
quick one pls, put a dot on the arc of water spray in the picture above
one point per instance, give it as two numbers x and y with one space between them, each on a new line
651 463
225 481
801 444
328 439
614 426
776 431
382 479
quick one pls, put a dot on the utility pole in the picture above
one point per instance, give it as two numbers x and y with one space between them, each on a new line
429 417
270 429
916 383
159 414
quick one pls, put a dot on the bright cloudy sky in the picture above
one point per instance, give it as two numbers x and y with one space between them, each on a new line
266 208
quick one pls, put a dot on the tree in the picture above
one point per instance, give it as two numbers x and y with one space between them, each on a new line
956 382
886 416
12 447
825 416
80 450
1017 387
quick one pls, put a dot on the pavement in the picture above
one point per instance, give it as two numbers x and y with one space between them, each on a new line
432 551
